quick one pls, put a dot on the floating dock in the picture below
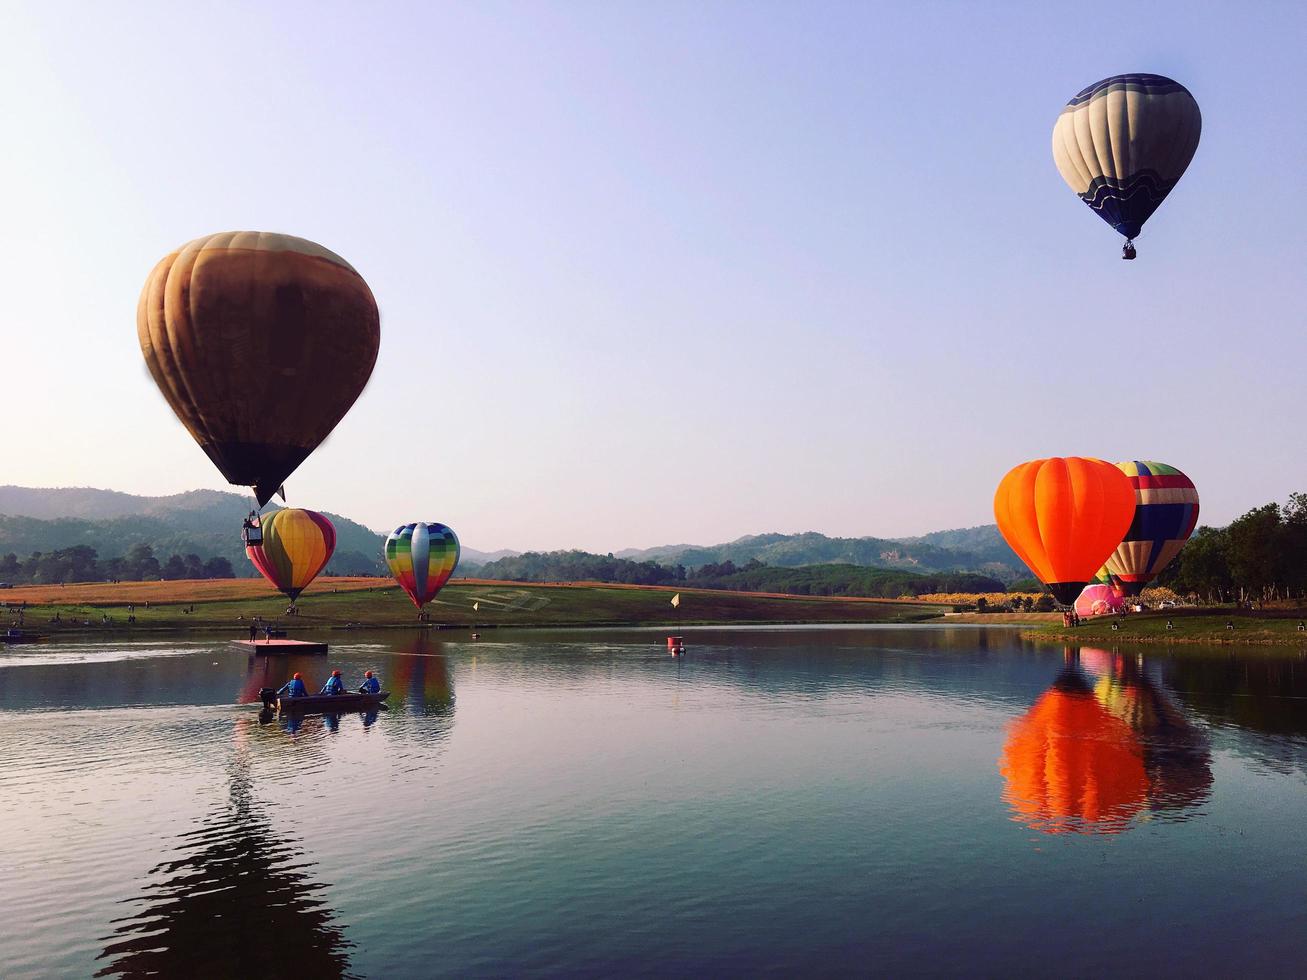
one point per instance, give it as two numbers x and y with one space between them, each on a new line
280 648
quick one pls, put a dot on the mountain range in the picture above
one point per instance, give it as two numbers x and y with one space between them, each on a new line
207 523
975 549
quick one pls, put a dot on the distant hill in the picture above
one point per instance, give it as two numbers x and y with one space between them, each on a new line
202 522
471 561
977 549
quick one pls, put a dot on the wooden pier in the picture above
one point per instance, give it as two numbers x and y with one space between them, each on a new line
280 648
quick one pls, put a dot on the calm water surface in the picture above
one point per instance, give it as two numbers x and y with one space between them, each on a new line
878 800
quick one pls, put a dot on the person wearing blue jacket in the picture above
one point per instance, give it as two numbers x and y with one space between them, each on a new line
293 688
370 684
334 684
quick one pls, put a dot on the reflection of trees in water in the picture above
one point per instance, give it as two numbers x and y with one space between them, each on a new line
1092 754
238 903
1262 696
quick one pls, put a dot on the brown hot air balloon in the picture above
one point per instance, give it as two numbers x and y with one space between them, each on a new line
260 343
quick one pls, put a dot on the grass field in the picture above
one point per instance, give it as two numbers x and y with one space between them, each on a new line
1206 627
230 604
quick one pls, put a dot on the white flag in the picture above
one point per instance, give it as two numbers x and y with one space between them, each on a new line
476 606
676 600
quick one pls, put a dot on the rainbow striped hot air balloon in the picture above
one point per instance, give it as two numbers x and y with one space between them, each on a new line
296 545
422 557
1166 512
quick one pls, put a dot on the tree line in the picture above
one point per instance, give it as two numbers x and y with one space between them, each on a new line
753 576
81 563
1259 556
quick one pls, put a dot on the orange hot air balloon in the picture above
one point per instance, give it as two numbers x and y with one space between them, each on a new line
260 343
1070 766
1064 517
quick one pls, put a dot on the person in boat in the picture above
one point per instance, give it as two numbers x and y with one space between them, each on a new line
334 684
293 688
370 684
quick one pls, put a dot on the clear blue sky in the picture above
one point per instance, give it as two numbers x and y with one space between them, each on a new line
667 271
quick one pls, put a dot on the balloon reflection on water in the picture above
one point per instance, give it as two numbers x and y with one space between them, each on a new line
273 672
238 899
423 681
1102 747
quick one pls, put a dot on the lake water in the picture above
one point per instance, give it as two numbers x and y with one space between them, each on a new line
876 800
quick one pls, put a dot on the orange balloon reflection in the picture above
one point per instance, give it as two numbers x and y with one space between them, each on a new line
1071 766
1104 745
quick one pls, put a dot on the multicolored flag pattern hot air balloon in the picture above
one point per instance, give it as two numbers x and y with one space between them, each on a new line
296 545
260 343
1063 517
1166 513
422 557
1123 143
1104 577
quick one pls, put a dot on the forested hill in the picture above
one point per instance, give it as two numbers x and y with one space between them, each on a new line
978 549
204 523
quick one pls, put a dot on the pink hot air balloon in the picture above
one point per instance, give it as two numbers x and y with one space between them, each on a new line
1099 600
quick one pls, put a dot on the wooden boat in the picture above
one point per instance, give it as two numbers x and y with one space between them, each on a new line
319 703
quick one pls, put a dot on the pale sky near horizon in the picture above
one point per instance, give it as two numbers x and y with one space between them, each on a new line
667 272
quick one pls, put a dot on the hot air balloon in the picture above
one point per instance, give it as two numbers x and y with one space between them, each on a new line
1069 765
422 557
1098 600
260 343
1104 577
1063 517
1123 143
1166 512
296 545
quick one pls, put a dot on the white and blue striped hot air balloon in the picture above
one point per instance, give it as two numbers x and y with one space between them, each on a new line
1123 143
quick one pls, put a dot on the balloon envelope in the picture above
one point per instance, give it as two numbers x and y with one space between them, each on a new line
1123 143
1098 600
1063 517
260 343
1166 513
297 544
422 557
